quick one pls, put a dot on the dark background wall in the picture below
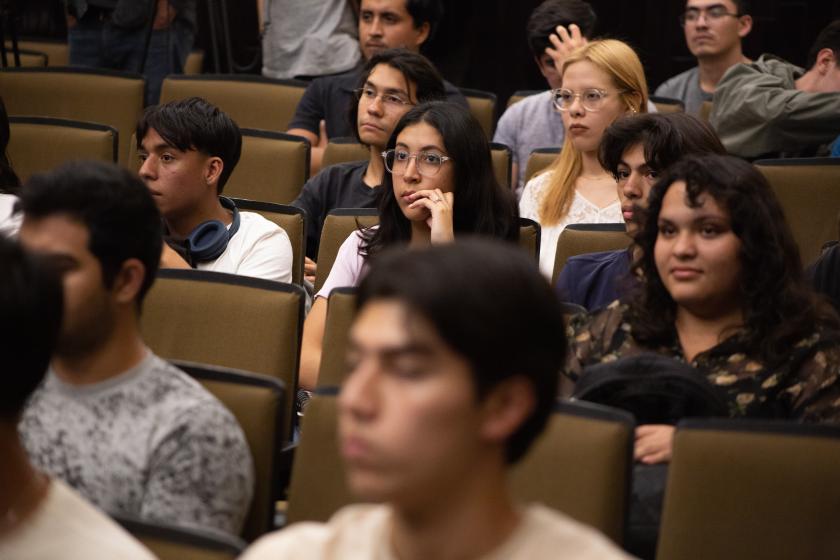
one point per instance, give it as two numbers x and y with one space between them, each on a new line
482 44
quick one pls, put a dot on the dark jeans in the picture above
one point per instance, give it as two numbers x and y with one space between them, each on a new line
101 44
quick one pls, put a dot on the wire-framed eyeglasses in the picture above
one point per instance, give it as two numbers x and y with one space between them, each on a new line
713 13
389 99
592 99
428 163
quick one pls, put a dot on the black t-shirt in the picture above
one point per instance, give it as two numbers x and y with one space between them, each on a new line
825 275
328 98
336 186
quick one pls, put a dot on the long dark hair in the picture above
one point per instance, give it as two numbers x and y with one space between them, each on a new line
9 181
779 307
482 206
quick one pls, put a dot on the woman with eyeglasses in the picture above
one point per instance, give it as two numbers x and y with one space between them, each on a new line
602 81
439 184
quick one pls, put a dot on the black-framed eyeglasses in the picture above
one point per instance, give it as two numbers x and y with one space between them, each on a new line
592 99
713 13
369 94
428 163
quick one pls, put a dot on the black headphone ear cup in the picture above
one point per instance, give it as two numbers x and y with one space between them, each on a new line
207 241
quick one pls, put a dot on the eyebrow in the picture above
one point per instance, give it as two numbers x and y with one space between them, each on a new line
424 148
372 85
410 349
707 7
159 146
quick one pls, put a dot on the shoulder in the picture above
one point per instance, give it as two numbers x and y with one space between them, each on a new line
545 531
676 83
538 183
337 174
67 522
530 105
354 531
253 223
598 259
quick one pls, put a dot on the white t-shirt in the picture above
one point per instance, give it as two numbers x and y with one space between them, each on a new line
363 531
66 526
581 211
260 248
9 224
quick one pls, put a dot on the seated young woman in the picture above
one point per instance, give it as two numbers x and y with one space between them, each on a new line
635 150
439 184
722 289
602 81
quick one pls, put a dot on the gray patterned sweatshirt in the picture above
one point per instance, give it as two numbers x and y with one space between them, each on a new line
150 443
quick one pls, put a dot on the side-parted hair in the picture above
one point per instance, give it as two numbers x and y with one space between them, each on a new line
416 69
779 307
665 138
829 38
622 64
489 303
551 13
114 205
31 304
481 206
9 181
195 124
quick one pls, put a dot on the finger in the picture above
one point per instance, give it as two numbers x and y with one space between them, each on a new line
449 197
557 43
439 196
575 33
563 33
425 193
655 458
422 203
323 139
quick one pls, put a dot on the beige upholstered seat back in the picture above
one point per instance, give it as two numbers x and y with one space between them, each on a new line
341 310
539 160
226 320
809 192
257 403
42 143
272 168
529 237
251 101
338 226
344 149
98 96
482 105
502 161
577 240
581 466
741 489
667 105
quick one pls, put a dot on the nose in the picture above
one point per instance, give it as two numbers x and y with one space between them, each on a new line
702 20
412 174
684 246
375 29
359 395
577 108
375 106
146 171
631 188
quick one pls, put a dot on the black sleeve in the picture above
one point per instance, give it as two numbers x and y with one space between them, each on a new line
311 110
825 275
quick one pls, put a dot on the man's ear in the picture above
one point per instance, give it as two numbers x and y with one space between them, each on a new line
825 61
506 408
745 24
213 170
423 33
128 281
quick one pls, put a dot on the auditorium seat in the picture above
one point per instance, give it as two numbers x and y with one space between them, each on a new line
579 239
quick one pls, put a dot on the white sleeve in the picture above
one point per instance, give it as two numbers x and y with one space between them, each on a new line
529 204
270 257
347 269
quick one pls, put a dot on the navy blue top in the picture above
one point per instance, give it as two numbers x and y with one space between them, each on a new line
594 280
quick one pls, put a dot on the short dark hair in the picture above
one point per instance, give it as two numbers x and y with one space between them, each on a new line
742 7
482 206
113 204
666 138
779 307
414 67
31 306
829 38
9 182
195 124
425 11
551 13
488 301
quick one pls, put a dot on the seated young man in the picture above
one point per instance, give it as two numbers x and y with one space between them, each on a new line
42 518
188 151
392 82
770 107
383 24
452 374
127 430
635 150
534 122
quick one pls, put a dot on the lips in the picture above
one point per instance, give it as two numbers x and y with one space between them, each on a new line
627 212
371 126
577 128
685 273
407 194
375 45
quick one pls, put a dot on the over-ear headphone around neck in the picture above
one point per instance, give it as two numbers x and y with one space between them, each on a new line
210 239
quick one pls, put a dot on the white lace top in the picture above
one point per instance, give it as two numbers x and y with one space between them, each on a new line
582 211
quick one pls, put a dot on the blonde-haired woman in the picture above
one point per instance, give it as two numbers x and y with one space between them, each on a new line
602 81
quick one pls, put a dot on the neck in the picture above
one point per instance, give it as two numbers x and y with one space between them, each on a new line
122 350
182 225
698 332
421 234
22 488
376 167
468 520
590 166
713 68
809 82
